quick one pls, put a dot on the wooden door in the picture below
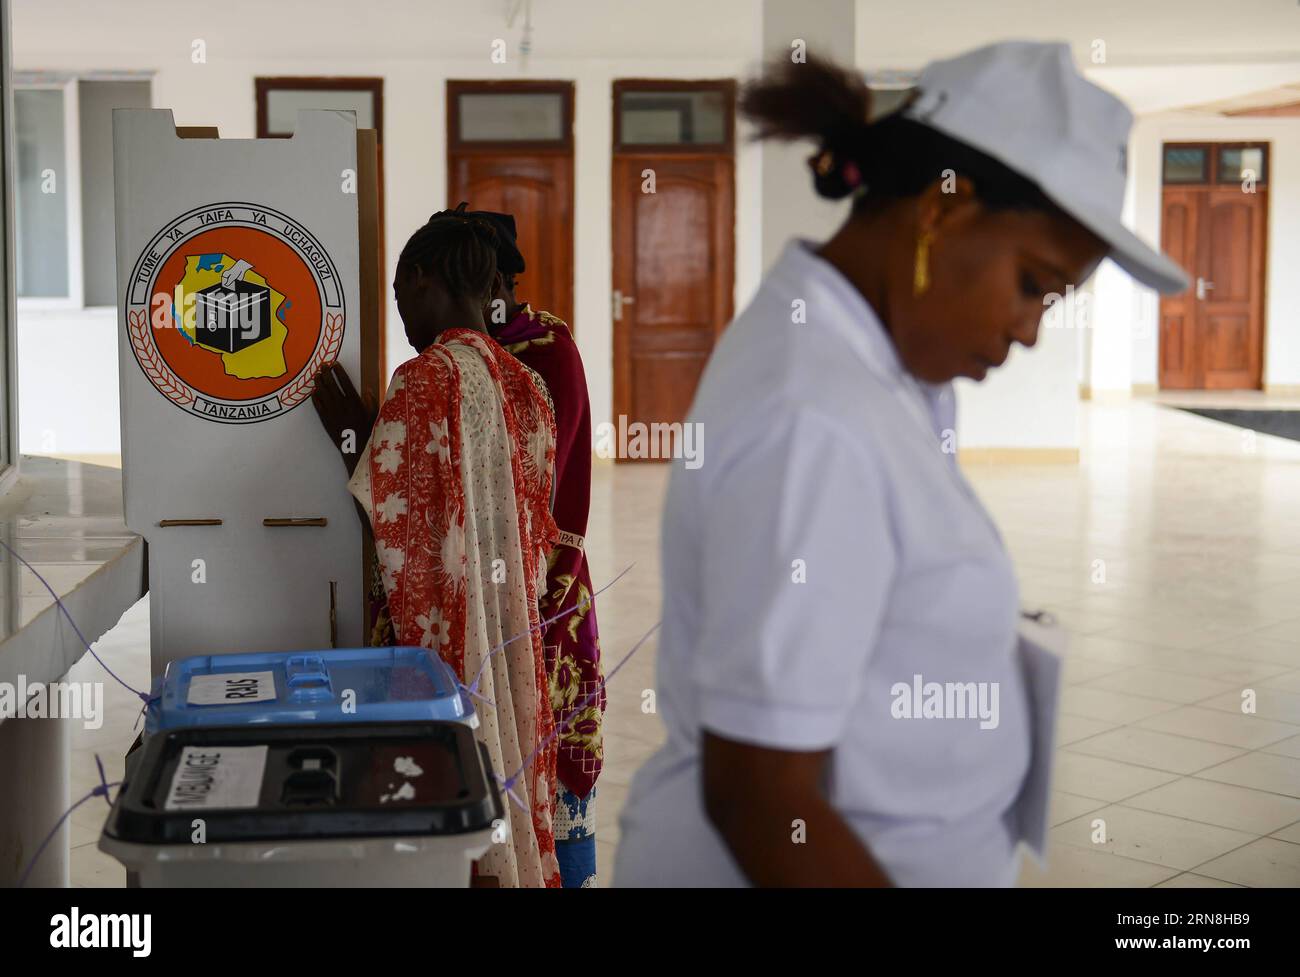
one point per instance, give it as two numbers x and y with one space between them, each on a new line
538 191
673 213
510 150
1212 335
1231 270
672 280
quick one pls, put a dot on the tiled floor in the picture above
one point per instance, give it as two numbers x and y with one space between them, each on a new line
1171 554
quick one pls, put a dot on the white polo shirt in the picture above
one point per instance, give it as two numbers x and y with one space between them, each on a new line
825 553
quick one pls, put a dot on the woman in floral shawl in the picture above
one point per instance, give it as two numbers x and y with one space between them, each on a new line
456 483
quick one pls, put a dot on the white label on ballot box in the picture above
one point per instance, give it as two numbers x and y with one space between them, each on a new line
231 687
211 777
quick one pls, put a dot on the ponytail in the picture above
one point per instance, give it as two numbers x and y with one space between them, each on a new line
890 157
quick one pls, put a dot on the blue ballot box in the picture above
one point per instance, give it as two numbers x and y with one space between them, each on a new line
341 685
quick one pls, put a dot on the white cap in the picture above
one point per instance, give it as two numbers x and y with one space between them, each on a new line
1025 104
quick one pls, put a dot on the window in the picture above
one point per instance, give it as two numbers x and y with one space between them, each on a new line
64 242
1238 162
518 114
656 119
40 200
280 99
511 117
1186 164
1215 163
669 116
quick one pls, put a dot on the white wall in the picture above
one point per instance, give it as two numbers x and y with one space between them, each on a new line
67 382
1031 402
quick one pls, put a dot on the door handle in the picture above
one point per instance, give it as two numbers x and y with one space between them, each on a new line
1202 286
621 300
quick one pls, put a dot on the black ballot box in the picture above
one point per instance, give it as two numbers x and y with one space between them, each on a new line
230 319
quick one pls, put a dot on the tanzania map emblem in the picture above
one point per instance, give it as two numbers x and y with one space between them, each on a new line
232 309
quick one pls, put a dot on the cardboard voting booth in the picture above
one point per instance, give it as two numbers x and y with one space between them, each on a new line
241 272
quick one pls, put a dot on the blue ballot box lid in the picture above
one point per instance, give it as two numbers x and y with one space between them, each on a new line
340 685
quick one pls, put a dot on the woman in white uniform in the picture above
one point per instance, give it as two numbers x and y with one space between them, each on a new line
837 668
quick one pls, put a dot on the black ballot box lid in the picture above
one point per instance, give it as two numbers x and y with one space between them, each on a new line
351 780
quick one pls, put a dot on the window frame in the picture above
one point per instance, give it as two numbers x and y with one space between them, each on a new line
724 86
71 178
8 263
458 87
1212 150
263 85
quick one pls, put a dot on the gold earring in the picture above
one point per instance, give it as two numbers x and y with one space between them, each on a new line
921 270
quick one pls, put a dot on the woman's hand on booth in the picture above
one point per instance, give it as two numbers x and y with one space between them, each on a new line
346 415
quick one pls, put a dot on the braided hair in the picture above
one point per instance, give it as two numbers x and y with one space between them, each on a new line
874 159
459 249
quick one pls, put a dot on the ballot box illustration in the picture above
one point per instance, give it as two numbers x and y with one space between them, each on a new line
239 276
231 319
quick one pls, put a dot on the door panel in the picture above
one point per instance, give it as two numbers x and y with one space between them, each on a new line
1178 231
538 191
1233 309
1211 336
673 263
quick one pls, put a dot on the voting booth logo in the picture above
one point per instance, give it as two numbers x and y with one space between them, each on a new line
232 309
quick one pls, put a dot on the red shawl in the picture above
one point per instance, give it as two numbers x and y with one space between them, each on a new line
456 480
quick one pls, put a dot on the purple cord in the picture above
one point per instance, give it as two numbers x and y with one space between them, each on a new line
508 784
100 791
472 688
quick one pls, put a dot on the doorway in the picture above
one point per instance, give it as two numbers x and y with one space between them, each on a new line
510 150
1213 223
673 212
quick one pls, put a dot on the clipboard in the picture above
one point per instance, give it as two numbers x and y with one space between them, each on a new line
1039 649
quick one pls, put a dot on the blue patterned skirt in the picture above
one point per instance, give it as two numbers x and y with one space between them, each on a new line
575 838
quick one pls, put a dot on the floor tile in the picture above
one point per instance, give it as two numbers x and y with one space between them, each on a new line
1077 868
1218 726
1268 704
1111 706
1266 863
1107 779
1150 837
1241 808
1156 683
1190 880
1262 771
1148 748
